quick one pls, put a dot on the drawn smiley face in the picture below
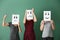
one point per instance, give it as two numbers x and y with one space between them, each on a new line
47 15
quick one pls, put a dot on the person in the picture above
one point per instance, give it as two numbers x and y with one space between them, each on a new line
14 29
29 27
47 27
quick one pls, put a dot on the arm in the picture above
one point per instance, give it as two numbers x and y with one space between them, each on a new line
19 28
53 26
4 23
35 19
24 20
42 25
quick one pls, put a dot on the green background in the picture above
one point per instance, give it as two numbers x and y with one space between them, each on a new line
10 7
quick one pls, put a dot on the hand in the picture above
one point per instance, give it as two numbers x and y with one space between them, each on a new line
42 21
33 11
20 30
18 24
25 12
51 21
5 16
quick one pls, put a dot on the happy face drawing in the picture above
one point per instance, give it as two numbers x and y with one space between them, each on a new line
47 15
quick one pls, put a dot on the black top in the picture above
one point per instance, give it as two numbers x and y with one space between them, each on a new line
14 32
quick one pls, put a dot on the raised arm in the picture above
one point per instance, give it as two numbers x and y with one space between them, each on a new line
41 25
53 26
4 23
24 20
35 19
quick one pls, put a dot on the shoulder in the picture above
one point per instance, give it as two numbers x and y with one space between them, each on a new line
10 23
42 21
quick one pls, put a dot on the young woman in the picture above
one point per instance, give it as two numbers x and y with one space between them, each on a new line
29 27
14 29
47 27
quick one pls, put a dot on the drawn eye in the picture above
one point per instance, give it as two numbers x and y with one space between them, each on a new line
30 12
45 13
14 17
48 13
